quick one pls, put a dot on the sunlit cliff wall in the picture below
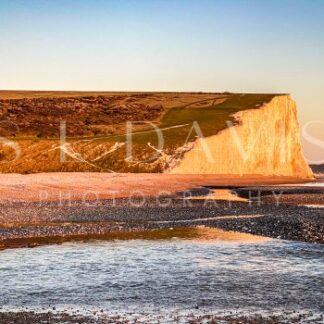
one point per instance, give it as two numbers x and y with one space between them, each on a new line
264 141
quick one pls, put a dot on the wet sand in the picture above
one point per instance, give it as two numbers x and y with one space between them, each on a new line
89 186
54 208
55 226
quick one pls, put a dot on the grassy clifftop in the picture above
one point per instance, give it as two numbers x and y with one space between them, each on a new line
96 127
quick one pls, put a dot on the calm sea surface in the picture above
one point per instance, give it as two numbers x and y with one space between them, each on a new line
166 274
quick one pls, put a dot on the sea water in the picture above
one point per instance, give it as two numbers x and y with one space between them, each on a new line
165 275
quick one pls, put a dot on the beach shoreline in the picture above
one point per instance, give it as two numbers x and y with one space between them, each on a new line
54 208
97 317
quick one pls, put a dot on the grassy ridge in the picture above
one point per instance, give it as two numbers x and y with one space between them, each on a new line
211 118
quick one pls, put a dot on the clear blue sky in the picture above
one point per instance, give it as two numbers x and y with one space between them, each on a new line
246 46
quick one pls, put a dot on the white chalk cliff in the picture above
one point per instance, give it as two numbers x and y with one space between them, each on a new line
263 141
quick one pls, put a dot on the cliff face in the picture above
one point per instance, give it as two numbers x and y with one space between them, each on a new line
264 141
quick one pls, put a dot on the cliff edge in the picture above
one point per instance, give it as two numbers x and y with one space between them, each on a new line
264 141
186 133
